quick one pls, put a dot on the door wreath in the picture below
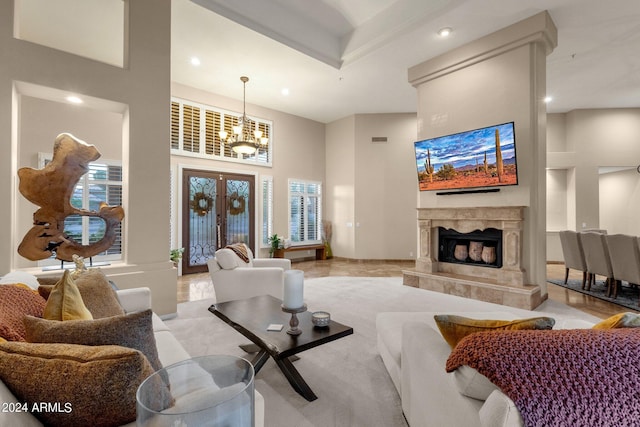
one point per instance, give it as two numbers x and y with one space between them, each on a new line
236 204
201 203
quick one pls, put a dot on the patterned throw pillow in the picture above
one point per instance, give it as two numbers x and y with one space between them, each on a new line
620 320
91 385
454 328
15 302
128 330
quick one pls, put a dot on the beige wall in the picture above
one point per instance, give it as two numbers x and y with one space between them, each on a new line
371 187
581 143
298 152
385 187
139 93
496 79
340 190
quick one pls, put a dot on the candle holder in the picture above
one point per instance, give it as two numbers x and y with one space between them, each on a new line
294 322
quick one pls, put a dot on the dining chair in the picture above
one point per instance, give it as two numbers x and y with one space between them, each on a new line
625 259
573 254
596 255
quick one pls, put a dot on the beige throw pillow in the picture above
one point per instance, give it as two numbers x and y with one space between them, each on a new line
65 301
97 293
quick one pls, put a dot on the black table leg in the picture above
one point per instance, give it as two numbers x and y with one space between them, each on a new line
295 379
259 360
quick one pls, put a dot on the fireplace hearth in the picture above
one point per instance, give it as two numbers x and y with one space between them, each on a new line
452 242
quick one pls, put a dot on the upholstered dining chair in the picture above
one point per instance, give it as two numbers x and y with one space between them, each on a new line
234 278
573 254
625 259
596 254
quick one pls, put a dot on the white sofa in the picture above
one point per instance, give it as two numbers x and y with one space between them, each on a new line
415 353
169 352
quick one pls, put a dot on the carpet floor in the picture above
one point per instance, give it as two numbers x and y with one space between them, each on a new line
627 296
348 375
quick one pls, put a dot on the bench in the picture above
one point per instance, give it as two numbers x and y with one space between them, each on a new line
319 248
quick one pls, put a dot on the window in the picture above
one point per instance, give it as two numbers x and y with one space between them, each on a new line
195 128
102 183
305 212
267 210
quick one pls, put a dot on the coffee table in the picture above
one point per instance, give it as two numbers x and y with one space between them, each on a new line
251 317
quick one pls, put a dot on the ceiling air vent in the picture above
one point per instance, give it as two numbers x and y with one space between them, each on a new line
378 139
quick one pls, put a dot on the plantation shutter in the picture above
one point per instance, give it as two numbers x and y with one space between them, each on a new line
305 213
267 209
211 129
191 128
175 125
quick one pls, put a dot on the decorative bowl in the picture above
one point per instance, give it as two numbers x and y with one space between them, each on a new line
320 318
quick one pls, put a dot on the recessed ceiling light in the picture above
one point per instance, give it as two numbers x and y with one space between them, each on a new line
285 91
445 32
195 61
74 99
547 99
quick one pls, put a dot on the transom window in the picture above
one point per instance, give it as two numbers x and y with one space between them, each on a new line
195 128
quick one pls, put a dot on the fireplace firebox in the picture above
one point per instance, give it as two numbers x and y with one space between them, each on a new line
482 248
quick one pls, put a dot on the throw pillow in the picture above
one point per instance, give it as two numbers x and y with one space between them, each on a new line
76 385
454 328
227 259
129 330
620 320
65 302
97 293
15 303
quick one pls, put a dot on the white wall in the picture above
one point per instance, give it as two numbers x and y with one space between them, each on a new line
582 143
139 93
620 202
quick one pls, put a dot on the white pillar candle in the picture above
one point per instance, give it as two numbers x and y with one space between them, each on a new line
293 289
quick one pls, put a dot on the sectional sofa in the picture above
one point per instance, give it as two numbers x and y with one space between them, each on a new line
169 351
415 354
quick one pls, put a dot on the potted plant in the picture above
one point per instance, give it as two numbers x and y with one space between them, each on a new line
175 255
276 243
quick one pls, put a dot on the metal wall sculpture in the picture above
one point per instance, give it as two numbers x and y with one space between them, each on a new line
51 188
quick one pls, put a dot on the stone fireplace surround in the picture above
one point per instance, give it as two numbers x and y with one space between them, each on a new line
505 285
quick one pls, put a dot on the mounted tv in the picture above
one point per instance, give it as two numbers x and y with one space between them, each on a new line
475 159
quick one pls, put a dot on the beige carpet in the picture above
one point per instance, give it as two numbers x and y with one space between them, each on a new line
347 375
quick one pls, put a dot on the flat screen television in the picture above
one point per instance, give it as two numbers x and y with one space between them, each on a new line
478 158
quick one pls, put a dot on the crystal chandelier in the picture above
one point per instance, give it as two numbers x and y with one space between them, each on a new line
246 138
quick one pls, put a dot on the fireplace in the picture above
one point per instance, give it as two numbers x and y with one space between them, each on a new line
480 247
445 231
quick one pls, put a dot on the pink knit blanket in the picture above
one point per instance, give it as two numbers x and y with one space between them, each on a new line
574 377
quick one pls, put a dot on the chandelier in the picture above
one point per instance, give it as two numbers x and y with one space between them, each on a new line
246 138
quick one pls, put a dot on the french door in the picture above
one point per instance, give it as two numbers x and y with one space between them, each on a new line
218 209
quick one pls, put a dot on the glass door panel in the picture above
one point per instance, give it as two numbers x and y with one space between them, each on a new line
218 209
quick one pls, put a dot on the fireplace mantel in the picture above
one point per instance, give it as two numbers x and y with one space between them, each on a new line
505 285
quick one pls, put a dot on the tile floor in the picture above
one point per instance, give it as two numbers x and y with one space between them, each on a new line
194 287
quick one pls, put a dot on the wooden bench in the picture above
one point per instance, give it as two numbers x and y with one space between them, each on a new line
319 248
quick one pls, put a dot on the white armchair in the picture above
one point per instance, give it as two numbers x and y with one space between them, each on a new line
235 279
